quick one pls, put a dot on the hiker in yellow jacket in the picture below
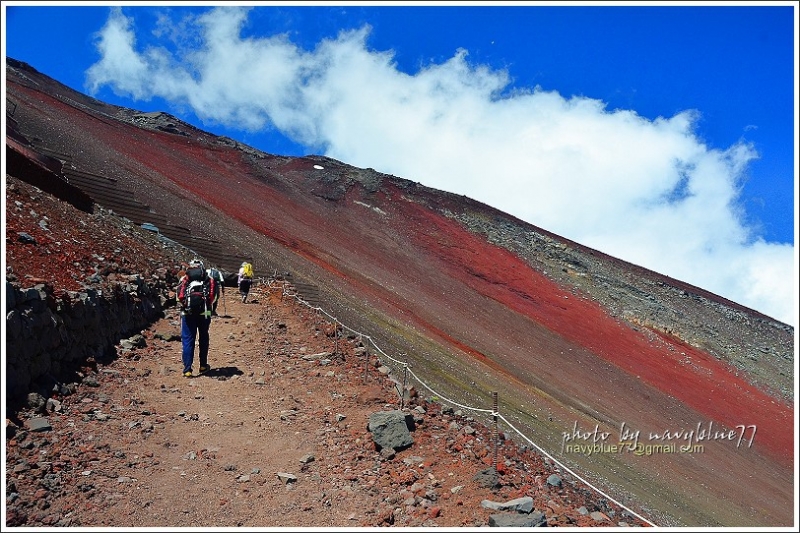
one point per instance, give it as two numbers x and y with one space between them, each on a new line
245 279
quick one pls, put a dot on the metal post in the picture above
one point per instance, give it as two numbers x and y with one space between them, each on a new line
366 358
494 414
403 391
336 337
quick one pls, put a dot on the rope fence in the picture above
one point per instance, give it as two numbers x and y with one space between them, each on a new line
288 290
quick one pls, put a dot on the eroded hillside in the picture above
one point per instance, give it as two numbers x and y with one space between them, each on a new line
473 299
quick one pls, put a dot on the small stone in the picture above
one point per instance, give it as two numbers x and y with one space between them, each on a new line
286 478
39 424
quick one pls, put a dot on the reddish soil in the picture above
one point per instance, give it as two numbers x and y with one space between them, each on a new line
707 385
482 315
139 445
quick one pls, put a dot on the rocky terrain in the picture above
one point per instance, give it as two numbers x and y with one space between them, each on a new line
275 435
479 307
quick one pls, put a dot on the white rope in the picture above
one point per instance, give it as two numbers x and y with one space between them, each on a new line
467 407
562 465
447 399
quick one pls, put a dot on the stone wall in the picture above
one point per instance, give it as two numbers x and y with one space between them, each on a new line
49 337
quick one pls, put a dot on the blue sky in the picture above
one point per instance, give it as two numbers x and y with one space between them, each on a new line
660 134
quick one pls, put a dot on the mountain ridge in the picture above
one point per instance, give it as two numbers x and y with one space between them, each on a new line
584 319
166 122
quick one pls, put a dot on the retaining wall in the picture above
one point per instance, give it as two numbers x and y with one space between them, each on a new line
49 337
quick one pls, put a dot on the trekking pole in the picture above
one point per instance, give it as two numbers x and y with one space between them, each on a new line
224 305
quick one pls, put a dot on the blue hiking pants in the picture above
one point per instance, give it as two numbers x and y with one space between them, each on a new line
194 327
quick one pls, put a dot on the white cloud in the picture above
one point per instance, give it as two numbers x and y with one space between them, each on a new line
120 67
647 191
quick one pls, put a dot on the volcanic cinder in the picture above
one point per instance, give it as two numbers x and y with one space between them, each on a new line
583 350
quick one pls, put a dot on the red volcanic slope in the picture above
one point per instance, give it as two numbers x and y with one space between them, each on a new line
447 281
709 386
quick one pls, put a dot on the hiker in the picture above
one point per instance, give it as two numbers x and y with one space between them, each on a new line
196 295
245 280
219 285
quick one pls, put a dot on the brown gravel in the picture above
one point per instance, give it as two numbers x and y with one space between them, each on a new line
135 444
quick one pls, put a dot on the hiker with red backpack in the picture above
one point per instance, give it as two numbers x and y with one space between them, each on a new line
196 296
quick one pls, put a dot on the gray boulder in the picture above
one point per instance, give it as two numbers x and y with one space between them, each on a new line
391 429
520 505
535 519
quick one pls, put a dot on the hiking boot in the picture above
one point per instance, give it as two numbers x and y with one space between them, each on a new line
187 374
204 369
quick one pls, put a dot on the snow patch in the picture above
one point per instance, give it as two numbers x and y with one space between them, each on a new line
376 209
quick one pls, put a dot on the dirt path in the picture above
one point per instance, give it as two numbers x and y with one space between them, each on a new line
139 445
221 438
